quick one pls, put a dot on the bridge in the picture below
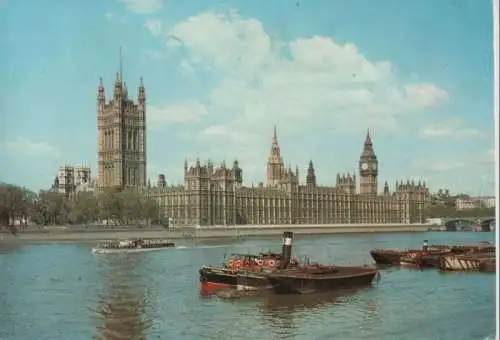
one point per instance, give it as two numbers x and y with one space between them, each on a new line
469 223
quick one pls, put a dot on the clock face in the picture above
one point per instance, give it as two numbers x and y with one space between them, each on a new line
374 166
364 166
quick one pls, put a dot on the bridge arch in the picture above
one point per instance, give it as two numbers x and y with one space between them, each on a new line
485 225
452 224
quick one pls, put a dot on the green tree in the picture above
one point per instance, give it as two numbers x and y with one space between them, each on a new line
13 203
109 206
51 208
83 208
130 206
449 211
150 210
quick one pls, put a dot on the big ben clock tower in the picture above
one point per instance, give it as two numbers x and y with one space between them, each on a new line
368 168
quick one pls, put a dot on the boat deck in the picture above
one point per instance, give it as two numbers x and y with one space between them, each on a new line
324 272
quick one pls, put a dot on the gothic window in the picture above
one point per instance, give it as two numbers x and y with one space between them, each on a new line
135 140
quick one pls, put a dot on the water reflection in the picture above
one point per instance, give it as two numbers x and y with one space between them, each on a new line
292 315
8 247
122 298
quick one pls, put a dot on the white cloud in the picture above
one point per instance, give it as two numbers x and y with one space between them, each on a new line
23 146
155 55
185 112
109 16
154 26
143 6
264 80
221 132
437 164
186 68
487 158
449 130
451 162
305 82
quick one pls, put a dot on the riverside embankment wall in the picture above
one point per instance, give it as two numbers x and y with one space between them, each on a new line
82 234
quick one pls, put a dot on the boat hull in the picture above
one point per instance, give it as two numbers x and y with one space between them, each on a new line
127 250
213 279
291 284
429 261
465 263
253 281
386 257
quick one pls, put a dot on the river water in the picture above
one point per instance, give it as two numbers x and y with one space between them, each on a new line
66 292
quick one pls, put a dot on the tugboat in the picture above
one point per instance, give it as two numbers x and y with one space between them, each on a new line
240 272
244 272
132 246
316 278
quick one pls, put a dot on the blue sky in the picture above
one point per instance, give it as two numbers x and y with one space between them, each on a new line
219 74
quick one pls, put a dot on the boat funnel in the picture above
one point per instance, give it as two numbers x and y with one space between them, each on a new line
425 245
286 252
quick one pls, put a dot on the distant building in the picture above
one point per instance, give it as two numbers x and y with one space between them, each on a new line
214 195
475 202
160 182
71 179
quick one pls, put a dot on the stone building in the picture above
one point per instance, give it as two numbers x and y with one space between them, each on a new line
121 124
72 179
215 195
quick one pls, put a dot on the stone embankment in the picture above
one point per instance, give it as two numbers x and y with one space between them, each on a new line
88 234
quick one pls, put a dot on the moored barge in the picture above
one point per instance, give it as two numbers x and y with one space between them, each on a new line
319 278
315 278
427 256
471 262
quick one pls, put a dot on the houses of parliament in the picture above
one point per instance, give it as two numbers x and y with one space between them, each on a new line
215 195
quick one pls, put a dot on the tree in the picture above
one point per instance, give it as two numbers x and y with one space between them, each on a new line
109 206
83 208
150 209
51 208
448 211
15 203
130 206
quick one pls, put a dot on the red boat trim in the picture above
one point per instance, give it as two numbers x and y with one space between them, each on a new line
213 286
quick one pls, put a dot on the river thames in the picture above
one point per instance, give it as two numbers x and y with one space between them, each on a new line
66 292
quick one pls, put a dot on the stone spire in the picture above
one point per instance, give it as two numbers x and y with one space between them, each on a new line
311 175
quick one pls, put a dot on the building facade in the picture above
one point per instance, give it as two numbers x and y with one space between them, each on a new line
71 179
121 125
215 195
475 202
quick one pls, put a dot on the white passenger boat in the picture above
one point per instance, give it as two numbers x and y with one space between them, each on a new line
132 246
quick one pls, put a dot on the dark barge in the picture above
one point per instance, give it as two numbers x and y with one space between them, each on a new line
318 278
427 256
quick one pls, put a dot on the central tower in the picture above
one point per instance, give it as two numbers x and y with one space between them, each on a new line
368 168
274 163
121 125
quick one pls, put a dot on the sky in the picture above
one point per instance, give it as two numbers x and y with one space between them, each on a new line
220 74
